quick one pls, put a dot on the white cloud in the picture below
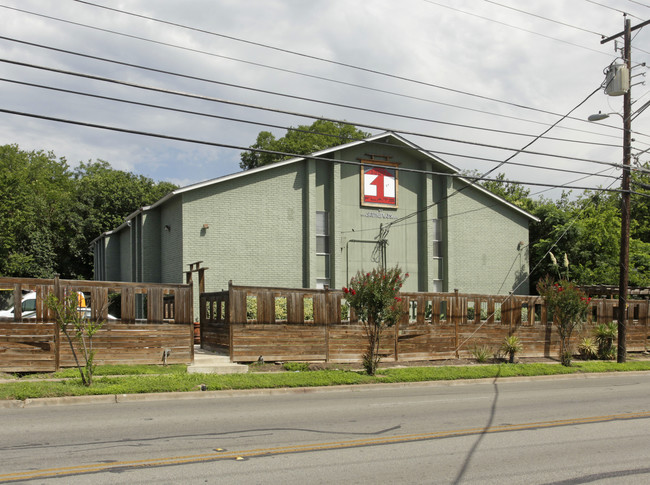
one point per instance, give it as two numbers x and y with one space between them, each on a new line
415 39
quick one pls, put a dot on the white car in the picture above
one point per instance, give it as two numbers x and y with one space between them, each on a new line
28 304
29 307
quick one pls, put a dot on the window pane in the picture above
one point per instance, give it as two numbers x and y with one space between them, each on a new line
437 230
322 244
437 249
322 223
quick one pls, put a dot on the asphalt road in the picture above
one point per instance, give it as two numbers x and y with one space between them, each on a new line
560 430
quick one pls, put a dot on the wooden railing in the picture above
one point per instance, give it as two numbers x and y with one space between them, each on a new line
142 321
281 324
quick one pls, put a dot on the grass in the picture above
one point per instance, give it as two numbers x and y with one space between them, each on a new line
147 379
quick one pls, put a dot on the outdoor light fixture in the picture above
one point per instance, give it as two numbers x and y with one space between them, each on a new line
600 116
168 227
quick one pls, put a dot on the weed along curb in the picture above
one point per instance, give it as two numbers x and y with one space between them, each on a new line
224 394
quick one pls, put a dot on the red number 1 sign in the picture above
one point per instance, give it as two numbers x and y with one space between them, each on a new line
379 186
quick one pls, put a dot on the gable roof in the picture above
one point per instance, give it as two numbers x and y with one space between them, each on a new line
323 154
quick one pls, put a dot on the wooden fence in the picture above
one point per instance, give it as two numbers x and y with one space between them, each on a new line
142 323
316 325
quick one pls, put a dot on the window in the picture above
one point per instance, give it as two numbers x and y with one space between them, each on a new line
437 256
321 283
322 232
437 238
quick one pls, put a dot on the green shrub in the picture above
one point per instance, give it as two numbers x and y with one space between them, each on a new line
251 308
471 313
511 345
481 353
588 348
605 334
280 308
296 366
345 311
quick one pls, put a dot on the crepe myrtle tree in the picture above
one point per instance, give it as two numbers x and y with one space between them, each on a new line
569 307
374 296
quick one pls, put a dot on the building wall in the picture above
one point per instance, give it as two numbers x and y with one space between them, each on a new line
260 229
408 241
486 244
255 228
171 241
151 246
126 251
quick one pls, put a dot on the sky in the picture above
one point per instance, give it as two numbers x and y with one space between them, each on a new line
472 81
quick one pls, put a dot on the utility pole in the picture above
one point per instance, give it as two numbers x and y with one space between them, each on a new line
621 313
625 203
625 197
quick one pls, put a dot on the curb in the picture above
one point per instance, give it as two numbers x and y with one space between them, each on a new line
190 395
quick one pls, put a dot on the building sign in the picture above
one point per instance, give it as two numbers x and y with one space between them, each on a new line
379 184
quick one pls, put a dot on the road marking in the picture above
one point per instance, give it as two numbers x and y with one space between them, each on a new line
243 454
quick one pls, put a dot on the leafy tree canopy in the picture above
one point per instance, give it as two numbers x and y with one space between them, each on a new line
301 140
586 231
49 213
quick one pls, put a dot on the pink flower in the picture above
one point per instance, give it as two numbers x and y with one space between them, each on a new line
407 275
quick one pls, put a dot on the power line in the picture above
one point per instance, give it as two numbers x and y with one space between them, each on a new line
546 131
270 125
279 49
293 72
614 9
514 27
544 18
302 98
292 113
273 152
639 3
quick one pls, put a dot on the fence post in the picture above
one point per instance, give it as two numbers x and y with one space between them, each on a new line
456 316
58 292
227 318
331 307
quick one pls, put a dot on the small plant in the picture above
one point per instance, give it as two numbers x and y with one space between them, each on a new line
73 323
296 366
481 353
588 348
605 334
510 346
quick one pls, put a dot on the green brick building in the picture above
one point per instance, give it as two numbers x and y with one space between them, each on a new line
312 221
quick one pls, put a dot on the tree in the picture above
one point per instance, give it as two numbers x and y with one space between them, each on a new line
301 140
77 329
640 204
35 201
513 192
568 306
374 298
49 213
104 198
